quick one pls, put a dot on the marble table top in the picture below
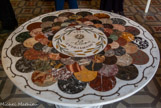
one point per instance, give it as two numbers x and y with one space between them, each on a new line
80 57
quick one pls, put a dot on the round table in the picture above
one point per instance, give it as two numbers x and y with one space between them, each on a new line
80 57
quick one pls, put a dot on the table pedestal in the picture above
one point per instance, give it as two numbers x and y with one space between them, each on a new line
59 106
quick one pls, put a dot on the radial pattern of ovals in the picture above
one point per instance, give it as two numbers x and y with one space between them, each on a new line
34 26
132 30
18 50
71 85
25 66
49 65
23 36
94 66
124 60
49 18
84 13
110 60
85 75
103 83
108 70
127 72
118 21
141 43
61 73
140 58
42 79
119 51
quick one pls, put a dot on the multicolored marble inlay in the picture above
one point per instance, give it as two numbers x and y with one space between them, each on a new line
78 51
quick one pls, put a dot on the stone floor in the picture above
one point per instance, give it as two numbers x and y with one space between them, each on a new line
148 97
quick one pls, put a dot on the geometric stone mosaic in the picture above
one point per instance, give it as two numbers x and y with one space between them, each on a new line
148 97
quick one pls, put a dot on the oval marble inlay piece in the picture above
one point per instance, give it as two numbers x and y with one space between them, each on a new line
108 70
127 72
140 58
18 50
71 85
25 66
42 79
141 43
103 83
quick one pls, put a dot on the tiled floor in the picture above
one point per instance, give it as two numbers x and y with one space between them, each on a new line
148 97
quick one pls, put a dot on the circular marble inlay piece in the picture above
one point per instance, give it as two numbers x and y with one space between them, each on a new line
127 72
24 66
141 43
108 70
42 79
23 36
103 83
18 50
79 41
140 58
71 85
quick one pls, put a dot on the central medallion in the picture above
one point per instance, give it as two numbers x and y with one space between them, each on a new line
79 36
79 41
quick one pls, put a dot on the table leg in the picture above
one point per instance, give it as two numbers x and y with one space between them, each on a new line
59 106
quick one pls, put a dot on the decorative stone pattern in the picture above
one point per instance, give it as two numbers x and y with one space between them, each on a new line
151 91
